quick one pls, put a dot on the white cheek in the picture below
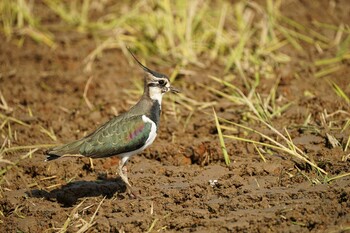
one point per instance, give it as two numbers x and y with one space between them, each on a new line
156 94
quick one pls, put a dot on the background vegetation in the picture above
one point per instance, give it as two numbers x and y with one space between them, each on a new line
251 44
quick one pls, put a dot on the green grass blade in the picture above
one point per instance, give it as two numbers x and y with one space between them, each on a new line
221 138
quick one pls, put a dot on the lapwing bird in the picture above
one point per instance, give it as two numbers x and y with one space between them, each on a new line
127 134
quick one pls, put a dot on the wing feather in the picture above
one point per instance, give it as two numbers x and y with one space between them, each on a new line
113 138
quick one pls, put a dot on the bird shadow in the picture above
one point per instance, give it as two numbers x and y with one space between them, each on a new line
69 194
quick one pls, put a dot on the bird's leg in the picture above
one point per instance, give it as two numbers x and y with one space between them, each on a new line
123 173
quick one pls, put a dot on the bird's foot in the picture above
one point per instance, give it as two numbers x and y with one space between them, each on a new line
133 195
123 173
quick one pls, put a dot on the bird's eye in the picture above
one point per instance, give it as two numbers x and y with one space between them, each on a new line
161 82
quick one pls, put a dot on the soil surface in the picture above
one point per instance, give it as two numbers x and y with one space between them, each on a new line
182 180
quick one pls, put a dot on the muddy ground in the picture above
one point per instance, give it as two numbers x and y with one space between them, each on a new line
44 88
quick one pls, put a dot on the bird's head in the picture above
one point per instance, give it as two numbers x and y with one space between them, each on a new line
156 84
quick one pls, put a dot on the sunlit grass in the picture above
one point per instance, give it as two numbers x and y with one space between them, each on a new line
17 19
245 43
261 113
276 141
340 92
245 36
266 108
247 40
74 13
183 31
256 111
221 138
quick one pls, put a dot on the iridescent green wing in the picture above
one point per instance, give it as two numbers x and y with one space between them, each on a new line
117 136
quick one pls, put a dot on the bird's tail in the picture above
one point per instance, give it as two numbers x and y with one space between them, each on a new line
67 149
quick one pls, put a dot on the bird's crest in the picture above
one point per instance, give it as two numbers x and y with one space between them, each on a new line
148 70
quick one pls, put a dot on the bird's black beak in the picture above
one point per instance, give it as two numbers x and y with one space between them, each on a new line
174 90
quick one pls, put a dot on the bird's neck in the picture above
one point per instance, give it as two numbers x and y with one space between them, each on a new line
154 113
149 105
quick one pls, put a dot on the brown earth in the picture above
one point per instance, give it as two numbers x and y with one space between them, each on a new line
175 175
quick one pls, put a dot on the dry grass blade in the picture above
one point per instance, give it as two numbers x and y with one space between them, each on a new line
86 88
4 117
89 224
48 132
6 161
18 148
3 104
232 98
221 138
13 164
327 71
347 144
152 225
38 36
300 27
259 152
70 218
328 180
340 92
3 146
330 61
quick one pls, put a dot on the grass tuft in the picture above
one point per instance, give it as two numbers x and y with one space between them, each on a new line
257 112
17 19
